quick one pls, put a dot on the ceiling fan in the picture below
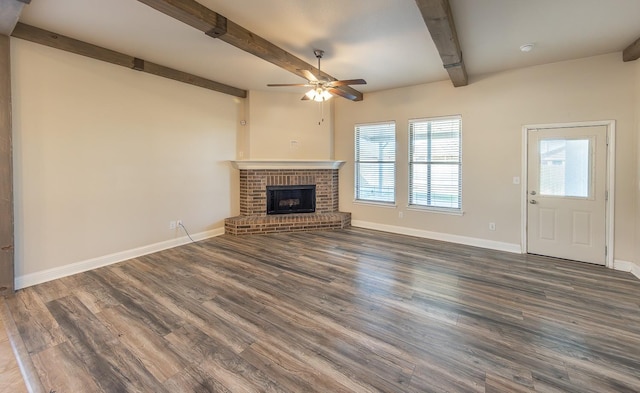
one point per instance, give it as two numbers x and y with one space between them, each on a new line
322 89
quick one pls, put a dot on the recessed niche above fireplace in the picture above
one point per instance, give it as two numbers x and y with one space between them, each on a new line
291 199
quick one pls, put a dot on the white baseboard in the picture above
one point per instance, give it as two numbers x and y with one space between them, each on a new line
469 241
78 267
627 266
51 274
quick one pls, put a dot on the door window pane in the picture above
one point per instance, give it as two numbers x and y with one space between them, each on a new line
565 167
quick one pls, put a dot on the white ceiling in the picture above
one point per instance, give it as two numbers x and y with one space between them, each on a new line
385 42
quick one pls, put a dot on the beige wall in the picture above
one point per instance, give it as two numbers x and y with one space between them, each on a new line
275 120
494 108
105 157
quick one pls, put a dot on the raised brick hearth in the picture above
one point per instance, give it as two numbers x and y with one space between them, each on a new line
254 180
245 225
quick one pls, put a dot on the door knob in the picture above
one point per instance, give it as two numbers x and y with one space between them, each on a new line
533 202
533 193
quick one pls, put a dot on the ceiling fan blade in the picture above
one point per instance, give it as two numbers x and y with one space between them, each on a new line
305 98
341 93
289 84
309 76
346 82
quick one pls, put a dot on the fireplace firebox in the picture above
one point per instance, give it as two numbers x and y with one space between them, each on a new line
291 199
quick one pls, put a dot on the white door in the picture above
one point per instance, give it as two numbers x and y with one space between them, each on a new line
566 192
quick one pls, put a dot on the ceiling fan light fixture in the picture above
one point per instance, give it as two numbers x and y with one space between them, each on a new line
324 87
318 95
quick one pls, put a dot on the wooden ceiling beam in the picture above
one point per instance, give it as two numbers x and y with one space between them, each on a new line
54 40
439 20
10 11
7 234
215 25
632 52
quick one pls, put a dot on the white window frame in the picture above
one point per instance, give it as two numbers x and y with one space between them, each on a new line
357 174
432 207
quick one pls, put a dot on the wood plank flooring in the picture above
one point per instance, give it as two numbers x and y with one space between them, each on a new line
10 376
338 311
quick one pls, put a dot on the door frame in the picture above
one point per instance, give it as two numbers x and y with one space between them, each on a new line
610 180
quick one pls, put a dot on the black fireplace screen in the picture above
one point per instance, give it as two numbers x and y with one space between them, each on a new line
291 199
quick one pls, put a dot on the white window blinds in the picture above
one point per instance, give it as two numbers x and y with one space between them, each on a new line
435 163
375 162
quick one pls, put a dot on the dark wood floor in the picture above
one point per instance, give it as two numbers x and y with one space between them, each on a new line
339 311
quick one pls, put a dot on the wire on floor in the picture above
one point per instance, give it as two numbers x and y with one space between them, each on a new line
187 232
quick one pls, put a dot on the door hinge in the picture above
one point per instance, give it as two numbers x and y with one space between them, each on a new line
606 195
606 251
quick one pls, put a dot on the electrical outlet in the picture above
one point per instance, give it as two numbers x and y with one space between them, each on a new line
400 214
172 225
492 226
178 223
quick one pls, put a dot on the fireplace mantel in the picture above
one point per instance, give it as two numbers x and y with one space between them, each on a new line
286 164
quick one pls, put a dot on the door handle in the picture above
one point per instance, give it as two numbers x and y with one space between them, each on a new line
532 193
533 202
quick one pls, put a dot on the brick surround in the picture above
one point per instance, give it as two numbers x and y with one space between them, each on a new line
253 216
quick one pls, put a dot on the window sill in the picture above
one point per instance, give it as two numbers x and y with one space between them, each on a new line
452 212
391 205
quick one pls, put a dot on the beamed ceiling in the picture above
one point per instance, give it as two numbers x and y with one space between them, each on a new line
389 43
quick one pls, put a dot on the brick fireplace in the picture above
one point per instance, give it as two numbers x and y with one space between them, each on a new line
256 176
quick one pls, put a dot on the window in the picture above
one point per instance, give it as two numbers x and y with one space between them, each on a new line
375 160
565 167
435 163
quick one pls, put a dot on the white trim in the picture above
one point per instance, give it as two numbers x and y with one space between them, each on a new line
78 267
626 266
386 205
611 178
436 118
429 209
611 192
524 184
469 241
287 164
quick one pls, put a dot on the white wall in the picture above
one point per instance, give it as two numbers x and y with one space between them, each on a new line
494 108
276 119
105 157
